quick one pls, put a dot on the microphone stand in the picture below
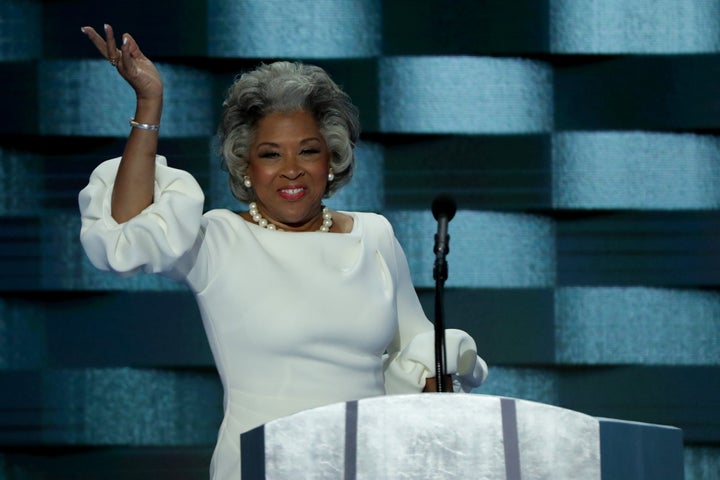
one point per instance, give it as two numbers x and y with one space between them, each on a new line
440 272
443 209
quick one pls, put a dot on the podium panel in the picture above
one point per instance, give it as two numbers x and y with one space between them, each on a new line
458 436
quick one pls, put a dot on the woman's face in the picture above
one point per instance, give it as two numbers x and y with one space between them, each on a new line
288 168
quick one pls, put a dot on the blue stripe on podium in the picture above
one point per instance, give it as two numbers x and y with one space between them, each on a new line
351 424
511 441
252 454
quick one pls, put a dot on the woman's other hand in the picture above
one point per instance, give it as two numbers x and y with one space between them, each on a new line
131 63
431 384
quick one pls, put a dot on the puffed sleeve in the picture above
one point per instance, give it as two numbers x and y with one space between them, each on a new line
410 358
411 366
152 240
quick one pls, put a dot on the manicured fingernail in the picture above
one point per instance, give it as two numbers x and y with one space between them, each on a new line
107 26
82 29
124 40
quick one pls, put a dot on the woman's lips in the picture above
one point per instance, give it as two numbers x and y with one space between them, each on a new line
292 193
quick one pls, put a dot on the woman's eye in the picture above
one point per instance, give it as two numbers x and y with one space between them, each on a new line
269 154
309 151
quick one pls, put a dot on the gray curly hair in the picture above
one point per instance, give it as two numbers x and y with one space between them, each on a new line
283 87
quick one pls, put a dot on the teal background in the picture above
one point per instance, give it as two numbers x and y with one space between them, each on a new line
579 138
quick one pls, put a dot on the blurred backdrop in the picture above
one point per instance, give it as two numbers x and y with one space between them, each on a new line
579 138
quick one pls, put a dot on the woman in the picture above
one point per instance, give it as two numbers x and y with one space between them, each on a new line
320 313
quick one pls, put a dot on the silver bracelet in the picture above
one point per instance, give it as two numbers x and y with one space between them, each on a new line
143 126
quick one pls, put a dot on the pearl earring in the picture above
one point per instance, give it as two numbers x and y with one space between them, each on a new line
331 176
247 182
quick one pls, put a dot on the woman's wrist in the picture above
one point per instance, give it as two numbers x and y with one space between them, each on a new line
148 111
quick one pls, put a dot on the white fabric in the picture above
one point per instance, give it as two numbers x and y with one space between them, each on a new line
294 320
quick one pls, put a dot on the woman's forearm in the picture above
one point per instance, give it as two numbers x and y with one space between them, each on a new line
133 189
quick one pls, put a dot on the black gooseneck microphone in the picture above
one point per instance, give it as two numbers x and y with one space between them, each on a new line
443 209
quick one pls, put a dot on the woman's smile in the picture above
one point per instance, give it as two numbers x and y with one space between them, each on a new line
292 193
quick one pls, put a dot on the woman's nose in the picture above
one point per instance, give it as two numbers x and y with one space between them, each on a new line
291 168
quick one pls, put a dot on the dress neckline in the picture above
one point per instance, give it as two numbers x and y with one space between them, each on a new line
352 215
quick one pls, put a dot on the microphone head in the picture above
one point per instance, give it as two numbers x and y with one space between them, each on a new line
443 206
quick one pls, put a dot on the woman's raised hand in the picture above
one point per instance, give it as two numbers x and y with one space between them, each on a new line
133 188
132 65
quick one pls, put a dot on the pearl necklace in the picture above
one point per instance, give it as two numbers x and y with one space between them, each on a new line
260 220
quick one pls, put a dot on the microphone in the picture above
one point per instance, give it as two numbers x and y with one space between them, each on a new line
443 209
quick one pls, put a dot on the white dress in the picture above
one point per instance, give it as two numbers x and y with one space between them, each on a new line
294 320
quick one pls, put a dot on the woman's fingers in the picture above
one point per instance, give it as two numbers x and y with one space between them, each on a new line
109 37
106 46
96 39
132 65
132 45
129 48
113 54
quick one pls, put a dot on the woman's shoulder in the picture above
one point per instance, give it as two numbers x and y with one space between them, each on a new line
371 225
370 220
224 219
222 213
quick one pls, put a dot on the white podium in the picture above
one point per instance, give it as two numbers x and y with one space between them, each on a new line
468 436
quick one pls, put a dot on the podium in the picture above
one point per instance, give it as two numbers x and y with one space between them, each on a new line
464 436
